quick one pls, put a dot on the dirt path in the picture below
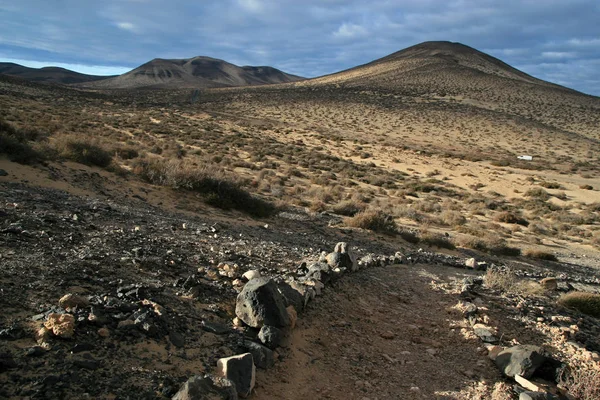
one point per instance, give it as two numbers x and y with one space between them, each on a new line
385 333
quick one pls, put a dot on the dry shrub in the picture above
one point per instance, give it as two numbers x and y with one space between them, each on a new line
582 382
489 243
538 193
540 255
453 218
349 208
505 280
436 240
217 188
374 220
82 150
409 236
586 303
15 143
510 218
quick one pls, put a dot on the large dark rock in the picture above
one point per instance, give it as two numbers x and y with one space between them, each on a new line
523 360
291 296
340 258
260 303
270 336
203 388
262 355
240 370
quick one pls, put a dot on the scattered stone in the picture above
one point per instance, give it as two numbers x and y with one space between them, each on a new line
61 325
240 370
260 303
3 172
262 355
388 335
215 327
252 274
103 332
471 263
341 258
177 339
523 360
270 336
71 300
549 283
485 333
203 388
537 396
228 270
35 351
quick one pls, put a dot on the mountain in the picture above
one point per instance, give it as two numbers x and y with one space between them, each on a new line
47 74
438 66
197 72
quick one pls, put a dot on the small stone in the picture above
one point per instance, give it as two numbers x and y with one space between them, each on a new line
270 336
493 352
252 274
240 370
3 172
549 283
203 387
61 325
103 332
388 335
523 360
71 300
262 355
471 263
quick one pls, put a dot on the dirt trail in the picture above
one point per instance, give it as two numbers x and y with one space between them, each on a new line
339 349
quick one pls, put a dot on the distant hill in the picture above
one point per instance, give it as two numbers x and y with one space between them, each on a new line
197 72
48 74
436 67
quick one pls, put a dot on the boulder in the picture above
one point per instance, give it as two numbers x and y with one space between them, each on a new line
293 293
319 271
270 336
262 355
523 360
260 303
240 370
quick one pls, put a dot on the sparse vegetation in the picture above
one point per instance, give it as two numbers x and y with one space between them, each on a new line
374 220
82 150
540 255
584 302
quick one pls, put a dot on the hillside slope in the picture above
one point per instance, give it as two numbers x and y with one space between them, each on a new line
47 74
197 72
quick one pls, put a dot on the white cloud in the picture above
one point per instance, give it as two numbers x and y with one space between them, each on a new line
251 5
127 26
350 31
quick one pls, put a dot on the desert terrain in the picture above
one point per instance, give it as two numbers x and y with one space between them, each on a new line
151 204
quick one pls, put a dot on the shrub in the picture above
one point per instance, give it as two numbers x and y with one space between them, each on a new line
551 185
437 240
82 150
409 236
374 220
540 255
586 303
583 382
538 193
453 218
217 188
349 208
15 144
511 218
500 279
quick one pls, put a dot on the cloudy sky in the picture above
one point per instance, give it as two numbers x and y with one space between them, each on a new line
555 40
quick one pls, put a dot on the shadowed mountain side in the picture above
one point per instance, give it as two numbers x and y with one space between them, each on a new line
48 74
197 72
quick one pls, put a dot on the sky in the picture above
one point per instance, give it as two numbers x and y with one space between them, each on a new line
555 40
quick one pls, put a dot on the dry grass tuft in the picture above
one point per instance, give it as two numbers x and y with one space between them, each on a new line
586 303
349 208
373 220
82 150
217 188
505 280
511 218
540 255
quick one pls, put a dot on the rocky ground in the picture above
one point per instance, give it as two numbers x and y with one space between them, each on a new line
113 297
